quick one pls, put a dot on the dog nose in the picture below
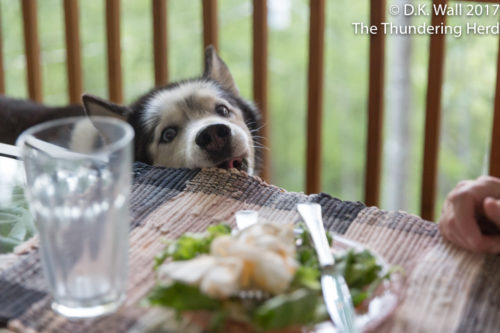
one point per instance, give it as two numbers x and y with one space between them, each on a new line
213 137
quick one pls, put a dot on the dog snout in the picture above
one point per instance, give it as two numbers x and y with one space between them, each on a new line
214 138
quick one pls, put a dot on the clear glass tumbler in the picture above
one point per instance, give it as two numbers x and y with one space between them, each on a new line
78 178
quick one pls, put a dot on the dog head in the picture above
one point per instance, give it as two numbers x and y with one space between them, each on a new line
196 123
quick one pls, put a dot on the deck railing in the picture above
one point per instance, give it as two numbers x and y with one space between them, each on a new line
375 105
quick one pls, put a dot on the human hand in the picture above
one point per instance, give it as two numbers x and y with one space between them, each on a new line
468 200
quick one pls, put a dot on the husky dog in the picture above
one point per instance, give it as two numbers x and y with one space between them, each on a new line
196 123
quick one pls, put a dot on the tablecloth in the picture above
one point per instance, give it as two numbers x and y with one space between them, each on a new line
446 289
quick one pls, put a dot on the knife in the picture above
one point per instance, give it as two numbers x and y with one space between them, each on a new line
335 291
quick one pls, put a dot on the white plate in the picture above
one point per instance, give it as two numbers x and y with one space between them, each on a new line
377 309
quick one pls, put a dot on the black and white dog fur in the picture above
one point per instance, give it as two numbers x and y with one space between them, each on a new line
196 123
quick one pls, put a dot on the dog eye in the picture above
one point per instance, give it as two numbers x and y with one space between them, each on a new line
222 110
168 134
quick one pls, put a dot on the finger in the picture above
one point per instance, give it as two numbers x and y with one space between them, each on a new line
444 227
491 208
484 186
460 209
445 223
476 190
451 237
484 243
448 225
448 229
457 238
490 244
465 227
463 183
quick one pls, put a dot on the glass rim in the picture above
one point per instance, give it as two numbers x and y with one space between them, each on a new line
128 134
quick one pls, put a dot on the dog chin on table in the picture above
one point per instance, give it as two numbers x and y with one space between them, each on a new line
195 123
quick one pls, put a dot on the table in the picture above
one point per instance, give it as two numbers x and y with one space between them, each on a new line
446 289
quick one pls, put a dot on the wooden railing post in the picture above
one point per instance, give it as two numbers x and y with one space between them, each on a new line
2 72
114 50
160 42
260 77
315 95
32 49
210 24
495 134
73 56
373 164
433 118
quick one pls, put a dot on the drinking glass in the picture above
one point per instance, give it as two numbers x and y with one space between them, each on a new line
78 177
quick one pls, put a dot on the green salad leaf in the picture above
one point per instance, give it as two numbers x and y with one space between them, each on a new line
361 272
307 277
191 245
285 310
182 297
358 268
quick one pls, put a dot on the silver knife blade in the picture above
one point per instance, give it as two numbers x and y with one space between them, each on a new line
338 301
336 293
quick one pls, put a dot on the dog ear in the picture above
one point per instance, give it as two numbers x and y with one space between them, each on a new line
217 70
95 106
